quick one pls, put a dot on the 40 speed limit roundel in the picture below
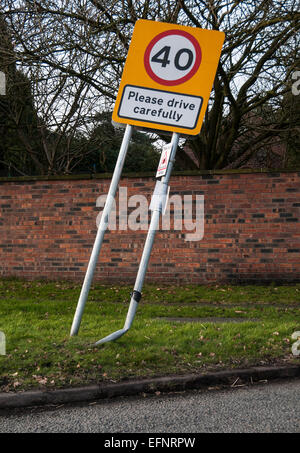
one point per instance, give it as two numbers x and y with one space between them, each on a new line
172 57
167 77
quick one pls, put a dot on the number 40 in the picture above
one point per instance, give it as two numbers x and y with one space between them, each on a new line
162 57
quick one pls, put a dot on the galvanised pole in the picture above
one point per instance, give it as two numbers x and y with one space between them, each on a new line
136 295
101 230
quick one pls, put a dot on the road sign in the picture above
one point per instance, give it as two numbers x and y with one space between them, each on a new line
165 85
164 160
168 76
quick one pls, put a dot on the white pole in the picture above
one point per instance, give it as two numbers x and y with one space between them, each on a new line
101 230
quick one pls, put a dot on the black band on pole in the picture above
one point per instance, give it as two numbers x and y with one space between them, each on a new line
136 295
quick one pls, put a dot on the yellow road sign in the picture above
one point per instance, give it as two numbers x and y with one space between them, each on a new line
168 77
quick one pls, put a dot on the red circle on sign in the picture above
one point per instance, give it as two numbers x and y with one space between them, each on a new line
194 68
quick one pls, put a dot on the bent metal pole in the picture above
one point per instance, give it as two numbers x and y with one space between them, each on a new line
157 209
101 230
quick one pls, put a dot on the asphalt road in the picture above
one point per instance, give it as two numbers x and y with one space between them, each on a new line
261 408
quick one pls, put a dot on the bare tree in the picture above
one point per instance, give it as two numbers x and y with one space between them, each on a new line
73 51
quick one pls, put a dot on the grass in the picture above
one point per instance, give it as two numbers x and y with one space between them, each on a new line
36 318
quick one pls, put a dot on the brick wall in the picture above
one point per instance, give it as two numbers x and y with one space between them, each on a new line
252 234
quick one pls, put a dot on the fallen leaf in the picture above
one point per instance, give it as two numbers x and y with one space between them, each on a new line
43 381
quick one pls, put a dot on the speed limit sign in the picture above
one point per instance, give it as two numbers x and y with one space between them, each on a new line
172 57
168 76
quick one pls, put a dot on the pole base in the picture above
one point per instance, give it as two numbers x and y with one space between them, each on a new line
111 337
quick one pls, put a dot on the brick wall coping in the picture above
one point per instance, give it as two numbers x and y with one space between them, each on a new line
85 176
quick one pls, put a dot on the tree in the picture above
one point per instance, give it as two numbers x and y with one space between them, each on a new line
38 134
291 136
252 76
18 119
104 143
74 52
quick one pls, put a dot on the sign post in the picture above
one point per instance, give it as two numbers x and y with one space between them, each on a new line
156 212
165 86
101 230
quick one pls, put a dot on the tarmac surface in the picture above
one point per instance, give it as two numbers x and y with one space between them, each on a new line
259 408
225 378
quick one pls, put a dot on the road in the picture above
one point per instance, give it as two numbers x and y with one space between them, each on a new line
260 408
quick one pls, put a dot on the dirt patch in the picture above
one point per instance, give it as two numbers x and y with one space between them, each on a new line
207 319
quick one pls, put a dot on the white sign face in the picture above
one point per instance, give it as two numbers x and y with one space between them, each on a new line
161 107
164 160
172 57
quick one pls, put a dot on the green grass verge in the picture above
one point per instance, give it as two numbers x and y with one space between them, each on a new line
36 318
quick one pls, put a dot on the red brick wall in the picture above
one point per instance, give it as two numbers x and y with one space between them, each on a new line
252 234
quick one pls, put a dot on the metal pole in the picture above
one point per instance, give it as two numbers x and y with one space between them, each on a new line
101 230
136 295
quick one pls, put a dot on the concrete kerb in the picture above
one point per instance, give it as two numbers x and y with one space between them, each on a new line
135 387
